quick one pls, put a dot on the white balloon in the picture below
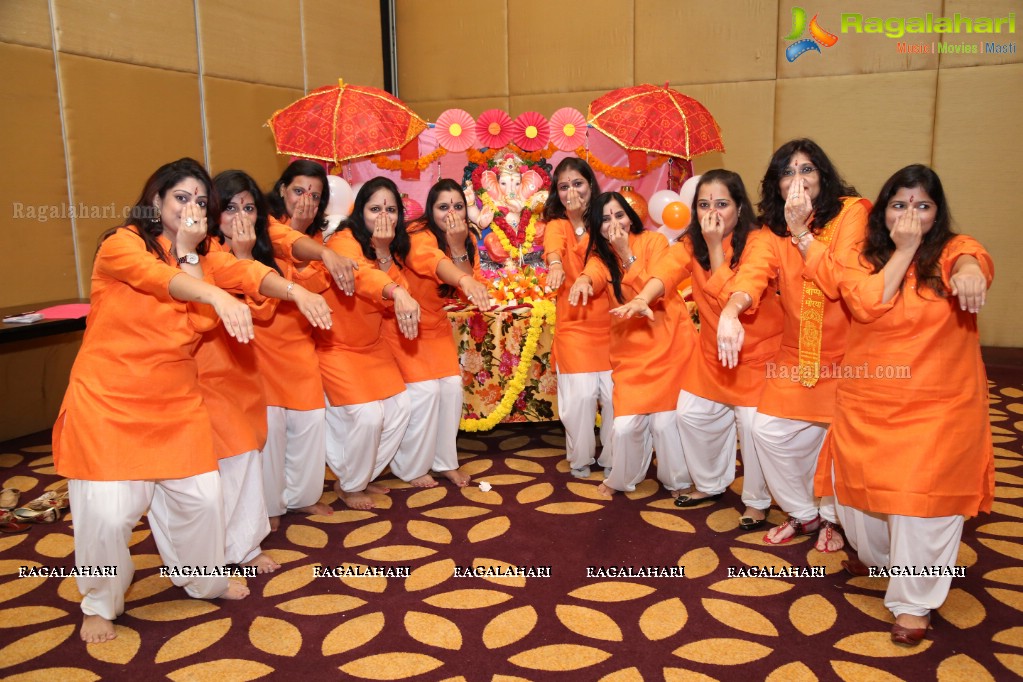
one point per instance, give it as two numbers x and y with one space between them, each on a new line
658 200
688 190
341 196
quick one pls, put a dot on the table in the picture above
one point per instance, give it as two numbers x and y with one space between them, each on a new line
500 352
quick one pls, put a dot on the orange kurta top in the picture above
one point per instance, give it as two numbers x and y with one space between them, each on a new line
582 334
774 257
284 346
355 362
230 383
133 409
433 353
911 434
706 376
648 357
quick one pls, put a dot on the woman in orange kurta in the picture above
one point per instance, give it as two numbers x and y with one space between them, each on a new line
440 260
716 402
229 377
132 433
368 409
910 446
647 356
294 455
581 333
814 218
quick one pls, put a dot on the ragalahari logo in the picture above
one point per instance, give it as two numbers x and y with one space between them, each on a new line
818 36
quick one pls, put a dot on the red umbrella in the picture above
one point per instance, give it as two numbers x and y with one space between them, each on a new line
340 122
656 120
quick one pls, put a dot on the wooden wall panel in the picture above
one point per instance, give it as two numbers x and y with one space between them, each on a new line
452 49
870 125
123 122
158 33
745 112
854 53
574 45
984 8
978 144
25 22
431 109
35 227
705 42
235 117
237 44
343 40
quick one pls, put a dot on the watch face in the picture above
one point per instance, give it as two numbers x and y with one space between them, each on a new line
190 258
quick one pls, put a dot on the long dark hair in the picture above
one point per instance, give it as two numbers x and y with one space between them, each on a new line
227 186
746 220
553 208
297 168
364 234
441 186
828 203
144 216
879 245
600 245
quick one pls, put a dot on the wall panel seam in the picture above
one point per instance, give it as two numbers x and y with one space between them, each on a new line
202 86
67 151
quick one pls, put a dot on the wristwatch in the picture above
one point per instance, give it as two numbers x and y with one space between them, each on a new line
190 258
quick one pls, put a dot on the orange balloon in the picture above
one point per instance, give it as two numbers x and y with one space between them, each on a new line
676 215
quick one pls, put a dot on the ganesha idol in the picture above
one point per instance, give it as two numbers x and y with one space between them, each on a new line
505 198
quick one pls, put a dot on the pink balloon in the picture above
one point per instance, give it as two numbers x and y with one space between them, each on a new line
658 201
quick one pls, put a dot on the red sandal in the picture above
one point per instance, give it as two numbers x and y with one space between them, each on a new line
829 530
800 528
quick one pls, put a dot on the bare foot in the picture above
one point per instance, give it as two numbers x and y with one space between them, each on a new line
780 534
235 590
755 514
318 509
829 539
97 629
275 523
357 500
263 563
457 477
682 491
424 481
907 620
377 489
606 491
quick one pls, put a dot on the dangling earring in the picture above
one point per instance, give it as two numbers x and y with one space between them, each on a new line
156 218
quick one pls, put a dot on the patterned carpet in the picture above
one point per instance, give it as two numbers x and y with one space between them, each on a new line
432 625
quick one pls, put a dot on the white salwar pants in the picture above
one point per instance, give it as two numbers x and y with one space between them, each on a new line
430 441
905 542
186 516
788 451
708 431
293 458
634 437
245 518
362 439
578 395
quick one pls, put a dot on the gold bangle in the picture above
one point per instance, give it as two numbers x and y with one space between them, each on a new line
287 293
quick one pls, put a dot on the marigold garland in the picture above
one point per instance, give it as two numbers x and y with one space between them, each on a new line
517 384
617 172
384 162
